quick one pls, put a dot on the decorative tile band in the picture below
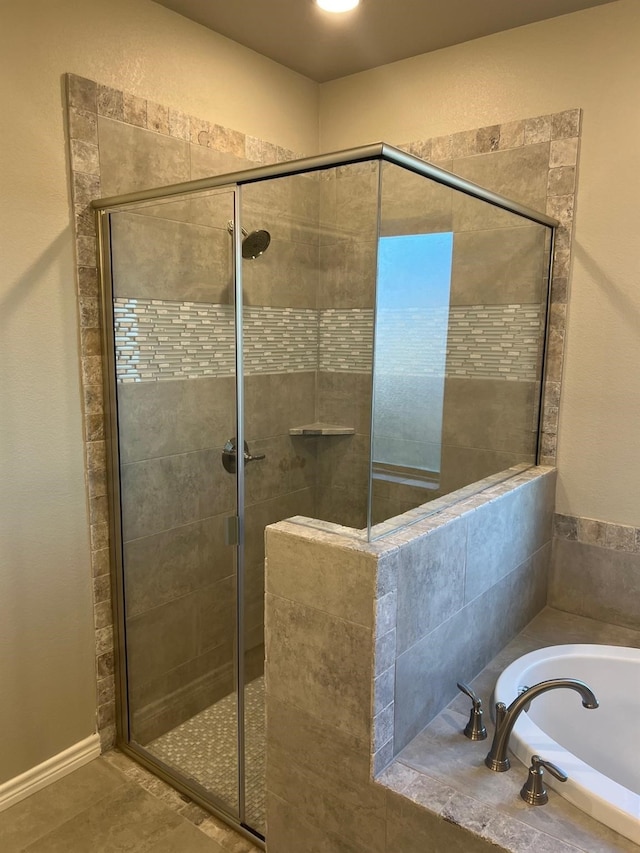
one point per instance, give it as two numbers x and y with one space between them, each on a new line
494 342
590 531
346 340
161 339
280 340
483 342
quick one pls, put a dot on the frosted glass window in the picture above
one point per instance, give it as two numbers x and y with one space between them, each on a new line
412 314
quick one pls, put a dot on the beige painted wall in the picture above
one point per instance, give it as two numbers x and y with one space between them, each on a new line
591 60
46 630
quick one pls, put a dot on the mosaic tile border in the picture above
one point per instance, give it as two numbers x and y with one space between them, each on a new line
85 101
591 531
504 344
159 340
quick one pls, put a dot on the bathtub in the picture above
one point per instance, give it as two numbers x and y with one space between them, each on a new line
598 749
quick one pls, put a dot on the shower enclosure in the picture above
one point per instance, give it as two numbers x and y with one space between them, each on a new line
355 338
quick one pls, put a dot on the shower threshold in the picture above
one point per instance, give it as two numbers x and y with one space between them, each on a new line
205 747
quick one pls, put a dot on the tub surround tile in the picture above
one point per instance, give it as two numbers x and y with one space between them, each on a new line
462 646
596 569
440 755
385 651
414 829
591 531
493 552
430 582
621 538
382 758
605 588
424 799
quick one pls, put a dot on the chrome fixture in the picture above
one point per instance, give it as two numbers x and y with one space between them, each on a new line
254 244
533 790
506 717
475 728
230 452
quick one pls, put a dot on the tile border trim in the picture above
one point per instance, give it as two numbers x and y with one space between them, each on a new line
592 531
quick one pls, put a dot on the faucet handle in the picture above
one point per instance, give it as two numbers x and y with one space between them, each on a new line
475 728
534 791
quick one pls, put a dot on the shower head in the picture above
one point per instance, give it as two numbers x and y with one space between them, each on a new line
254 244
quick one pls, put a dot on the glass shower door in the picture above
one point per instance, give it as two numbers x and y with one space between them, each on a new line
175 390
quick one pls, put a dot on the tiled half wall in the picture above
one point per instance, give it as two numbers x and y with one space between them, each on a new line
365 643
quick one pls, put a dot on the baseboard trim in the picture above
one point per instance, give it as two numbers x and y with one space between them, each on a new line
49 771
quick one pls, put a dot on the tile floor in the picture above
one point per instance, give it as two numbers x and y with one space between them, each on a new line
113 805
204 748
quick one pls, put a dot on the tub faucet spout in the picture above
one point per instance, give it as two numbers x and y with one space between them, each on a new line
497 758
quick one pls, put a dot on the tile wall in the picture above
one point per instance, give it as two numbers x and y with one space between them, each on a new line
595 570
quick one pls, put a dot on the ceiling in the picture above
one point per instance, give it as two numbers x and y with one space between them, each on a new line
299 35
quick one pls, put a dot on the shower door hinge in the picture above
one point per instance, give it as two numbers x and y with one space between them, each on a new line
231 527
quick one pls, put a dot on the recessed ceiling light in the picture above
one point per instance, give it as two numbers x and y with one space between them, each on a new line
337 5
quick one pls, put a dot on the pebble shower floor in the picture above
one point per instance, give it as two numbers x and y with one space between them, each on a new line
204 748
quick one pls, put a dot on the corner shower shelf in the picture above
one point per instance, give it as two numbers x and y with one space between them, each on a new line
321 429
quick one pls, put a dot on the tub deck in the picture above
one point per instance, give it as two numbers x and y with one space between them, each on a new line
445 772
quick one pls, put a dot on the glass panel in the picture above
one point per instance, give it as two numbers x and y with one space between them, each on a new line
175 364
414 281
460 319
307 329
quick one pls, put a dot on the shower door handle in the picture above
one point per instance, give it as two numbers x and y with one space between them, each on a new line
230 452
